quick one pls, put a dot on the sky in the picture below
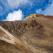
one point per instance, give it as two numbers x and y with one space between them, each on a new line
47 11
11 10
16 15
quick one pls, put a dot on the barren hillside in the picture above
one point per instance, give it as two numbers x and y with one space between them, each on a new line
35 33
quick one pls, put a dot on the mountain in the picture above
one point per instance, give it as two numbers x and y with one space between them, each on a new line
35 33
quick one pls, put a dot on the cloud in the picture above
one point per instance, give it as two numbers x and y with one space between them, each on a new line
16 15
16 3
47 11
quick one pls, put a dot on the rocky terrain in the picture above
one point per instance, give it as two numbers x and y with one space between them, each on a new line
36 33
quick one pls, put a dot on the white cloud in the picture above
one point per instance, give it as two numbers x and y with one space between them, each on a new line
17 3
47 11
16 15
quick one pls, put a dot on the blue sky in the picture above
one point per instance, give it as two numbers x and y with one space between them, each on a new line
47 11
23 8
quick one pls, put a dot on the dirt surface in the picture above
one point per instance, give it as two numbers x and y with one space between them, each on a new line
36 32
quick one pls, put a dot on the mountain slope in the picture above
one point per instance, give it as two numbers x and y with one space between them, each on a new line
36 33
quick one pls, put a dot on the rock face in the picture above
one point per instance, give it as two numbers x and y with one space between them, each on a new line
36 32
